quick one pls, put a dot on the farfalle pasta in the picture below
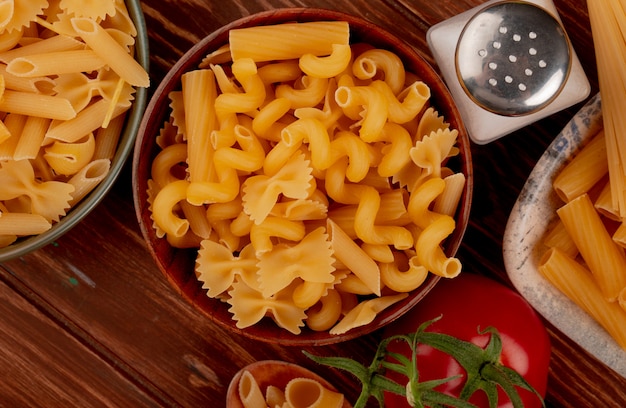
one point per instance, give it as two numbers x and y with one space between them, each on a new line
321 170
67 77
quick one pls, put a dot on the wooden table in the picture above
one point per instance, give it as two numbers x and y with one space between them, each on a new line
90 321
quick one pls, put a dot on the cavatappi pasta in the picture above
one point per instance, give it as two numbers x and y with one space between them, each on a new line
585 256
317 166
67 77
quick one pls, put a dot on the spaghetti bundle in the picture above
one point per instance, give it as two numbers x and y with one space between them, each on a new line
608 27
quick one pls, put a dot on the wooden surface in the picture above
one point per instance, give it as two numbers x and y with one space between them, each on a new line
90 321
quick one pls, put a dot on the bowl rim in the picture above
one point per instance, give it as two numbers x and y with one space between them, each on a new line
157 109
125 146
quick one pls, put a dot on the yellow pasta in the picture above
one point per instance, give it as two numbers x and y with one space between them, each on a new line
311 92
587 168
88 177
354 258
30 104
365 312
199 92
327 66
325 313
578 284
409 278
429 252
375 62
107 48
608 21
305 157
69 158
374 104
249 392
163 208
287 41
603 256
36 65
22 224
306 392
558 237
34 133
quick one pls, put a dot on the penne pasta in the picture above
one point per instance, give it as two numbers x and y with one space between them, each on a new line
40 65
107 48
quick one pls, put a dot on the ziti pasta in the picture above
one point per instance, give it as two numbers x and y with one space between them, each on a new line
586 259
585 256
310 174
67 77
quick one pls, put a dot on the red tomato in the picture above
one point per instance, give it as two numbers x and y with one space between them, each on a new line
467 304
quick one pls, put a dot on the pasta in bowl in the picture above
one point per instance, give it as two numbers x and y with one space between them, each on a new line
73 81
302 218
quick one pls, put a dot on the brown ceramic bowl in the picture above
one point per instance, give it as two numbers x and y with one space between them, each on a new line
178 264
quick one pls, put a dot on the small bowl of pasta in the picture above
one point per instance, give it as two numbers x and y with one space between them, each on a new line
303 177
276 383
74 86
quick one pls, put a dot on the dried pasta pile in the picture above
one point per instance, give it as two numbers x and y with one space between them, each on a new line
67 76
586 259
314 179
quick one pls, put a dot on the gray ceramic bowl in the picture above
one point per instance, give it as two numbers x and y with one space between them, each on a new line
125 147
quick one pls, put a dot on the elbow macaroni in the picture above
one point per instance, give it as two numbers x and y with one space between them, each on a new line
309 146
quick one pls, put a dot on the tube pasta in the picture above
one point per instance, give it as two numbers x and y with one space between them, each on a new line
31 104
287 41
354 258
305 155
107 48
306 392
88 177
69 158
587 168
22 224
38 65
199 93
603 256
578 284
249 392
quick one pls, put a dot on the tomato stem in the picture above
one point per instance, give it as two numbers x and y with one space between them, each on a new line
483 368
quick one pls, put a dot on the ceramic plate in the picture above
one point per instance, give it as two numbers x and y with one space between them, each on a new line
532 215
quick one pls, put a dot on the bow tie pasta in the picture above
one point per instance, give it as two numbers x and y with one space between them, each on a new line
335 204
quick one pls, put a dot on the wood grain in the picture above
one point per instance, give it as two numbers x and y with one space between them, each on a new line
90 321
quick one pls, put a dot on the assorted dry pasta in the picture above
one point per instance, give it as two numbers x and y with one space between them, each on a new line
67 77
310 172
